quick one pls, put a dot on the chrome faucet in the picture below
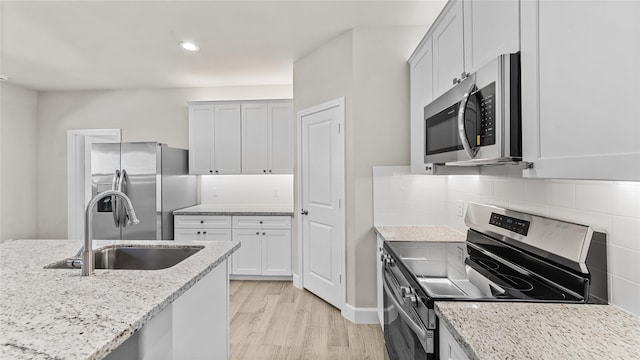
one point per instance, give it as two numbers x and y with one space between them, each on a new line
87 251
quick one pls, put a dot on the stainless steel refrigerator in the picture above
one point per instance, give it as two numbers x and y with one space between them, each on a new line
156 179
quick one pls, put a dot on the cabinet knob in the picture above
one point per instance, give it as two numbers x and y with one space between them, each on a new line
261 222
264 171
264 233
455 81
211 171
204 232
269 170
198 233
201 221
216 171
257 232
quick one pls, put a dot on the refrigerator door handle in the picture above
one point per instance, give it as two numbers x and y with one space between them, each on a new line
122 214
114 201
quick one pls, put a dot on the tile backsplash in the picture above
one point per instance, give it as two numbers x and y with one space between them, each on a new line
247 190
609 206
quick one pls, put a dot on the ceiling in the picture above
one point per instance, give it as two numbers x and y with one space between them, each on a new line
80 45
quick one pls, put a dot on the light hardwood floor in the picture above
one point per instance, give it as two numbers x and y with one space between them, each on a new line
275 320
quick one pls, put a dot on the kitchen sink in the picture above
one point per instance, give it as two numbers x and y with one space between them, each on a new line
134 258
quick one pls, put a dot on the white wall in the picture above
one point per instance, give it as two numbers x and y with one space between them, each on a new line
612 207
368 66
271 190
143 115
19 115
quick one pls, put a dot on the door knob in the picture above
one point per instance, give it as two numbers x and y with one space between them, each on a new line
304 212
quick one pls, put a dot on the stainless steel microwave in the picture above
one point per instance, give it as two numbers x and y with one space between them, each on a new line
478 121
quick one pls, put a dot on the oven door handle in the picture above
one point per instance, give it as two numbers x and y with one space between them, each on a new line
416 328
462 129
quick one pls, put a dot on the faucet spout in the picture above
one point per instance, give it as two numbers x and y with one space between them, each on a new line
88 265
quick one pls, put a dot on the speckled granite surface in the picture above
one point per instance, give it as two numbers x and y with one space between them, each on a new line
58 314
248 210
419 233
541 331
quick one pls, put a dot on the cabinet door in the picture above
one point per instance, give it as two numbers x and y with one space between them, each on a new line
280 138
276 252
448 49
491 28
580 84
449 347
226 140
254 139
248 259
201 131
421 88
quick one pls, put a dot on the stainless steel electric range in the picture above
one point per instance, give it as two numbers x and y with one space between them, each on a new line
507 256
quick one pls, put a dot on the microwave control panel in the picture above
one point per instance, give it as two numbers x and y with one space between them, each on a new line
485 98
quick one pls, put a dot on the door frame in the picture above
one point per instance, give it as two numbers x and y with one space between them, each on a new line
299 281
77 182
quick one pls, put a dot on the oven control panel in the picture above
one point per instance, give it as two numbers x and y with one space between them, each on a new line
510 223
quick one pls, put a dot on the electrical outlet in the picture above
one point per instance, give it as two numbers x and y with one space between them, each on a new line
460 208
276 193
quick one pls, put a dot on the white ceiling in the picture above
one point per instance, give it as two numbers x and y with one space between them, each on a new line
77 45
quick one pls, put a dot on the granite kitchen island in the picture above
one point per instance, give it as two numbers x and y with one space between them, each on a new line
58 314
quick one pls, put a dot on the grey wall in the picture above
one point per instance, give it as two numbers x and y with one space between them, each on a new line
368 66
143 115
19 116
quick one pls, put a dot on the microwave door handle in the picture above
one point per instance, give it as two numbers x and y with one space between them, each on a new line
462 130
416 328
114 199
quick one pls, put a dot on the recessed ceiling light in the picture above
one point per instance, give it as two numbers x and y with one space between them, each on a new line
187 45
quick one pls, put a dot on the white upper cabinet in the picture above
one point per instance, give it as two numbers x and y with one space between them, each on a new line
466 35
253 137
214 139
200 133
421 90
448 50
280 138
226 139
267 138
580 84
491 28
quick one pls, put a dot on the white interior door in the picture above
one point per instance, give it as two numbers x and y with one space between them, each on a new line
322 191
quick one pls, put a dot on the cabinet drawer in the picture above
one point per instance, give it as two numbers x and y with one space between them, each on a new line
202 234
262 222
202 221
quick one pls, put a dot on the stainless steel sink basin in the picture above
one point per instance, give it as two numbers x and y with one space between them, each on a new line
135 258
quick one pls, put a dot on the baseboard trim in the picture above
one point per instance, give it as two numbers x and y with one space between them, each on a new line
360 315
260 277
297 281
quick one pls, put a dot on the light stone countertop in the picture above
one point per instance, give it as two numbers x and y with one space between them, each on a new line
248 210
58 314
419 233
521 331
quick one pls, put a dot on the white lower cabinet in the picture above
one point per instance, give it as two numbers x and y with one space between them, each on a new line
265 245
449 347
194 326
